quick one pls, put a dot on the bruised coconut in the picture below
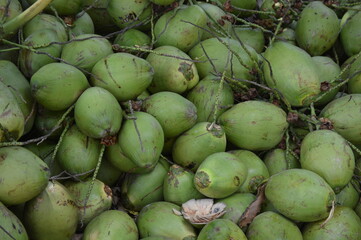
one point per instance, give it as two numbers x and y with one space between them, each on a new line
97 113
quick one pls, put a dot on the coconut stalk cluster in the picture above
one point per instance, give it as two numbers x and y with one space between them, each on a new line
180 119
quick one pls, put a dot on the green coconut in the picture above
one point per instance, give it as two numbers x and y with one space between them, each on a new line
291 71
181 27
46 121
97 113
286 192
124 75
108 173
133 38
77 153
221 229
287 35
163 2
23 175
46 21
257 170
212 182
100 198
349 196
271 225
217 24
252 37
216 55
130 13
317 28
328 72
193 146
206 94
178 186
11 76
9 10
62 7
344 225
175 113
86 50
254 125
52 214
81 24
236 205
159 219
139 190
351 68
348 127
322 151
174 70
110 225
278 160
350 31
57 86
240 7
141 139
41 40
11 226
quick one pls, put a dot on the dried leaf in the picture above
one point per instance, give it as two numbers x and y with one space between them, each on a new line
253 209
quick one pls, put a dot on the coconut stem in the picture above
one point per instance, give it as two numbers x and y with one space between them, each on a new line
329 216
14 24
216 104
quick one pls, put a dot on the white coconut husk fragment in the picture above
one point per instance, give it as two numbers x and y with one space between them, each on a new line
201 211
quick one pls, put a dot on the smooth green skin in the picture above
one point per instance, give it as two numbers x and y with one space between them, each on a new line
349 195
317 28
215 23
86 53
221 229
163 2
155 238
57 86
345 115
133 38
277 161
11 223
328 71
23 175
175 73
10 75
254 125
175 113
124 75
253 37
45 151
193 146
218 54
115 155
30 62
63 7
83 24
46 120
97 113
243 4
257 170
271 225
45 21
204 97
142 139
108 173
53 214
326 153
236 204
100 198
212 182
178 186
78 153
158 219
287 35
351 32
127 13
14 10
139 190
110 225
344 225
170 29
300 195
350 67
294 74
